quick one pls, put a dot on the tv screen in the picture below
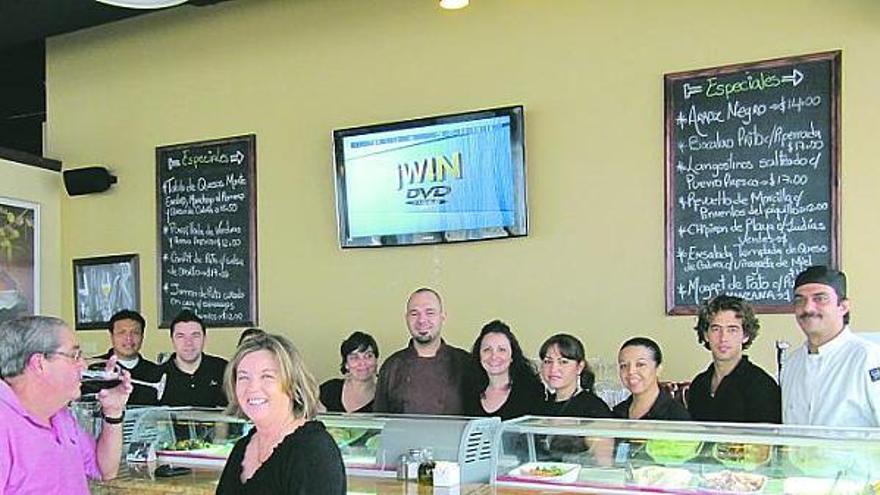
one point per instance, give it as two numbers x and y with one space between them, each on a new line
448 178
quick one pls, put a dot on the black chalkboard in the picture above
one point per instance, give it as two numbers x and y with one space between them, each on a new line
752 181
206 198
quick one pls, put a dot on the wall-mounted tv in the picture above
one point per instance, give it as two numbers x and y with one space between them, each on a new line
448 178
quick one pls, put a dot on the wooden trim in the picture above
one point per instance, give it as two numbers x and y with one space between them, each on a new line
26 158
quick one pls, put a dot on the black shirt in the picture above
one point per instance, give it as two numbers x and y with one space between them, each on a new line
204 388
306 462
665 407
584 404
331 397
144 370
524 398
747 395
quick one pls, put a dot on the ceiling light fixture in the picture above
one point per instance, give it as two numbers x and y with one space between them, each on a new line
143 4
454 4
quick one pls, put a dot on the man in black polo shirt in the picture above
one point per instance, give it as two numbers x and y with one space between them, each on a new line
127 336
194 378
732 389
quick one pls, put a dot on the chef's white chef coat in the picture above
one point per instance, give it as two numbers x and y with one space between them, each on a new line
837 386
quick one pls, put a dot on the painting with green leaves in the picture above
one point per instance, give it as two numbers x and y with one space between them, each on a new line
19 258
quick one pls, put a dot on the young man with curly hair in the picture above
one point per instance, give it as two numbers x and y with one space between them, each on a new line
732 388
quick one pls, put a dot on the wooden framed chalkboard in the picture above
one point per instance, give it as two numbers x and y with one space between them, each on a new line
206 199
752 179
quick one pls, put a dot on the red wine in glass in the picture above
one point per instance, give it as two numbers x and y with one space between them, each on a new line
100 379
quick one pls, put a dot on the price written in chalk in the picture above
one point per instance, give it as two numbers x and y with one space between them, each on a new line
206 199
751 163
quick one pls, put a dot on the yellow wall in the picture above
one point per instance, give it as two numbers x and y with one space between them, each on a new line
589 73
37 185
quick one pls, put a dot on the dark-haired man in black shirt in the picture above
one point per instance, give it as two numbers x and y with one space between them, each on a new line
194 378
732 389
127 336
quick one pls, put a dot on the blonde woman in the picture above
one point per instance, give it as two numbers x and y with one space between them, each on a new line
287 451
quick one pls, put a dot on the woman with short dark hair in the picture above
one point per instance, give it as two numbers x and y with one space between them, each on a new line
356 390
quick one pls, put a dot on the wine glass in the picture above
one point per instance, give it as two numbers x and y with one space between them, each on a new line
101 379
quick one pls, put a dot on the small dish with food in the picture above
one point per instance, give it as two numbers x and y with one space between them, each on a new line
555 472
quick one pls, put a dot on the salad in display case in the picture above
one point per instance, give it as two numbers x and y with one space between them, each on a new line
621 456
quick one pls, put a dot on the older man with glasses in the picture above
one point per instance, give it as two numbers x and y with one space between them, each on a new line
42 448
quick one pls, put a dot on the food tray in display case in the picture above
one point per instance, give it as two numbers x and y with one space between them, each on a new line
621 456
371 444
189 436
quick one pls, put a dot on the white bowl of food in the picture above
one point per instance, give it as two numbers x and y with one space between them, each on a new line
662 477
556 472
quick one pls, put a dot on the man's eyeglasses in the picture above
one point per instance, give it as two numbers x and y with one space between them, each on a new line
76 355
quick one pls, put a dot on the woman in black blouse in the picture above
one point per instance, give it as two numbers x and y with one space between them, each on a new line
355 392
565 370
639 362
287 451
507 384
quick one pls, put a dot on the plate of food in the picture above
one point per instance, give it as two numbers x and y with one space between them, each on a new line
746 456
672 451
194 451
557 472
662 477
734 482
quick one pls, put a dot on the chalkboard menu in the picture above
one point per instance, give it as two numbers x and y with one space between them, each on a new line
752 154
206 196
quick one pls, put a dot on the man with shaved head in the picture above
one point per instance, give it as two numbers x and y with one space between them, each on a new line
428 376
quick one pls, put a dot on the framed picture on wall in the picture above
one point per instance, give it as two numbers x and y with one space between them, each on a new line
19 258
102 286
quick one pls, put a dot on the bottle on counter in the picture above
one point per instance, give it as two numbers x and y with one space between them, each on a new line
401 467
413 461
426 468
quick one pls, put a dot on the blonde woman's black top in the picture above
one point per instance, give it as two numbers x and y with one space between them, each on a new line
306 462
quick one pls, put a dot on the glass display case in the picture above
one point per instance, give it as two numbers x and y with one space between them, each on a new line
618 456
188 436
373 444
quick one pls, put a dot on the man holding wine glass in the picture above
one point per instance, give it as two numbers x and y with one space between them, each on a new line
127 336
42 448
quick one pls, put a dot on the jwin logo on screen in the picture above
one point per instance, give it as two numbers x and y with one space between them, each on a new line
416 178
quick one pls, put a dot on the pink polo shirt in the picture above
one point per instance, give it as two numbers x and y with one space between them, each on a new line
35 459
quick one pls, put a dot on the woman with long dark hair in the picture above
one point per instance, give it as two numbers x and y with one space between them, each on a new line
507 385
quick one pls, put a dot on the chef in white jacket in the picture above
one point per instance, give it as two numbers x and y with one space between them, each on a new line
833 379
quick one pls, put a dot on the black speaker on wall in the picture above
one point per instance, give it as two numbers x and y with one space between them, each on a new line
87 180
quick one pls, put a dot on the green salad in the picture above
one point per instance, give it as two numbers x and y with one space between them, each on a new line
672 451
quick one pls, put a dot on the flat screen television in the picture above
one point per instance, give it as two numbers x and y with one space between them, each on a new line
448 178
